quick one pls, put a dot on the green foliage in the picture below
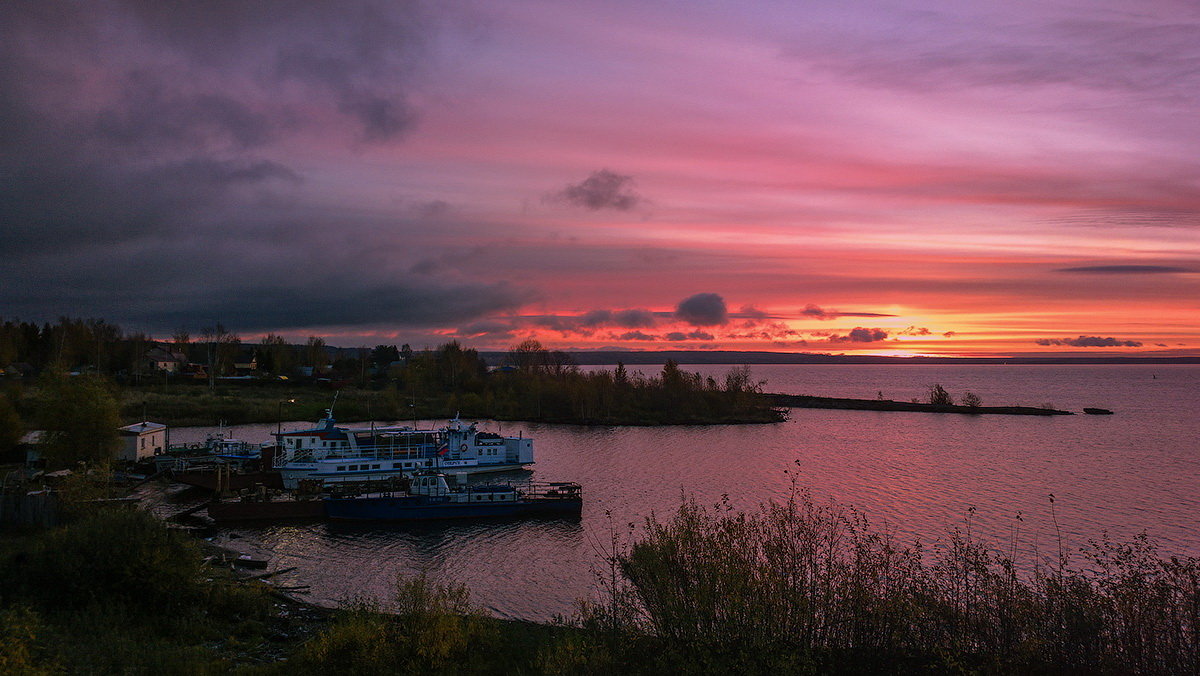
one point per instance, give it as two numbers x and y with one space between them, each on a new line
80 417
800 587
546 386
117 592
115 556
276 356
20 649
11 427
315 354
435 629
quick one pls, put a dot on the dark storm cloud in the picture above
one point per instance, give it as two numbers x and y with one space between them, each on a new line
679 336
144 171
588 322
634 319
636 335
817 312
604 189
353 53
752 314
488 328
296 306
860 334
1089 341
1126 269
703 309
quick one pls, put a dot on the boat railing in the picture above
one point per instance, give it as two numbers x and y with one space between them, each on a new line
397 453
372 452
387 486
549 490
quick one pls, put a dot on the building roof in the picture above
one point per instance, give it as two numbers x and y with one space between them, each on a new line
142 428
165 353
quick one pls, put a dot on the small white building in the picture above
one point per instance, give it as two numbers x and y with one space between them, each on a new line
142 440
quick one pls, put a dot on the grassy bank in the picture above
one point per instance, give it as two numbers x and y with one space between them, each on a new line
116 592
793 587
576 398
804 587
190 404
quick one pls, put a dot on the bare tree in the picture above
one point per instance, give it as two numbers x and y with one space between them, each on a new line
938 396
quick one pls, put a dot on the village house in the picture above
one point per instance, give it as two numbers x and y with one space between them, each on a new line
165 358
247 362
142 440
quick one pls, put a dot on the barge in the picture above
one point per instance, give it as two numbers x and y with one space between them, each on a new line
429 497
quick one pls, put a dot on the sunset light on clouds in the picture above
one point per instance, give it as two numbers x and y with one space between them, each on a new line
968 178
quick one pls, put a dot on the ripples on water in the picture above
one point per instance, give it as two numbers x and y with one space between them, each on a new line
914 473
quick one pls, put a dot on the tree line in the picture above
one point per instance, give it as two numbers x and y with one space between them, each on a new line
100 346
82 365
545 385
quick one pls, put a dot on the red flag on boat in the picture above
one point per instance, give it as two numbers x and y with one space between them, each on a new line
444 450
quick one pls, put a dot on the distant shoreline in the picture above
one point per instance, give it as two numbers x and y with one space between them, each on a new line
805 401
610 357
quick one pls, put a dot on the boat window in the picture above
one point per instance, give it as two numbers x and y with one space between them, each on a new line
353 468
341 468
374 466
395 465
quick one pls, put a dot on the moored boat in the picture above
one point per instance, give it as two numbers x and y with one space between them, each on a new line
429 497
262 503
335 454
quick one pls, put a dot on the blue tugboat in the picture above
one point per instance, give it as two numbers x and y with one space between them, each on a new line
428 496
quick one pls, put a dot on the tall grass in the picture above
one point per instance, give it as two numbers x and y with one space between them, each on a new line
434 630
117 592
800 586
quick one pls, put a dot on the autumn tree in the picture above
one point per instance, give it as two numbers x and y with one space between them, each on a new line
315 354
938 396
383 355
11 428
528 356
80 417
277 356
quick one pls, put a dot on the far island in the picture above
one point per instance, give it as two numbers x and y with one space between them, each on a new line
805 401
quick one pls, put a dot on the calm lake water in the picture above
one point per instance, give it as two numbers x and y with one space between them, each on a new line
916 474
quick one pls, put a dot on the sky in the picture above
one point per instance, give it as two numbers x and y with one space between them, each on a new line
880 177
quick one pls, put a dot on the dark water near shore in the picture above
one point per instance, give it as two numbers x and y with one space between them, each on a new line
913 473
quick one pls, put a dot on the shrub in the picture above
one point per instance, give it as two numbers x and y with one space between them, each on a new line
798 586
435 630
19 635
112 556
938 396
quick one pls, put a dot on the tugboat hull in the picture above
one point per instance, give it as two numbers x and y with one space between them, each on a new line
250 510
416 508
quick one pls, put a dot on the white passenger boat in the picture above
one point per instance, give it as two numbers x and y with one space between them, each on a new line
333 454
